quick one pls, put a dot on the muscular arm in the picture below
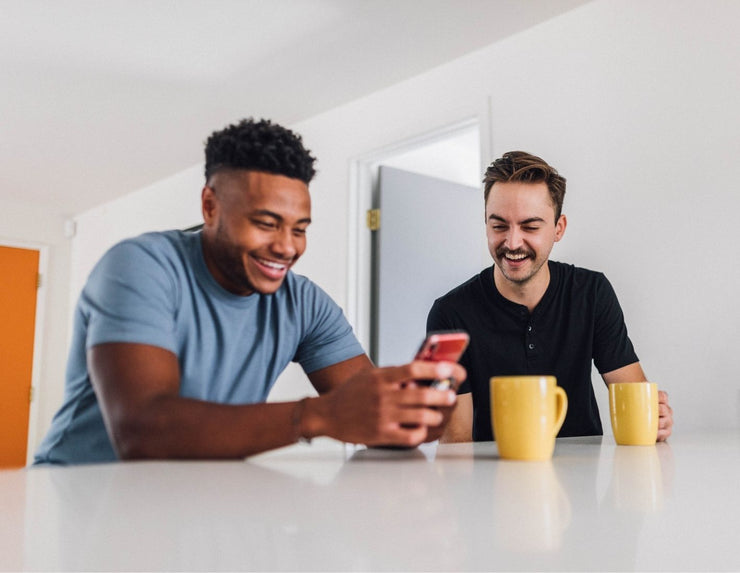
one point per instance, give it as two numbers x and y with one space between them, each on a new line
330 377
138 389
634 373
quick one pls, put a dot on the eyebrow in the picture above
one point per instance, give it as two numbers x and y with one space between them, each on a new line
529 221
272 214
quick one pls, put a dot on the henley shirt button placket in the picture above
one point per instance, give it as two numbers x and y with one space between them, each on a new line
531 355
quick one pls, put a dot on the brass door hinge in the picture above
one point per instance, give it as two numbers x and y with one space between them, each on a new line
38 280
373 219
31 393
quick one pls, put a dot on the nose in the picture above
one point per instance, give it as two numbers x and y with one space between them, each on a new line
284 244
514 239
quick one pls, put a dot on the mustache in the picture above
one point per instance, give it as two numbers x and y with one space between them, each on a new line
503 251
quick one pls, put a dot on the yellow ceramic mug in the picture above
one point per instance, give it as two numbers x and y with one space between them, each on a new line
634 412
527 413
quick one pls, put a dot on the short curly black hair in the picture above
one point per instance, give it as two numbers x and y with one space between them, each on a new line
259 146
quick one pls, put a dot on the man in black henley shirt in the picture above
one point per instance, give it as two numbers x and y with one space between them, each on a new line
529 315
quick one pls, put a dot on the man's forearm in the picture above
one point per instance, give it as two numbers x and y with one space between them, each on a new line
176 427
138 390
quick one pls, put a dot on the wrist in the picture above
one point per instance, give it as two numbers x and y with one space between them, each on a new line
297 421
313 419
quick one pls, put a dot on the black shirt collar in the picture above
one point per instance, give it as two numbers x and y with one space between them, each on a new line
500 300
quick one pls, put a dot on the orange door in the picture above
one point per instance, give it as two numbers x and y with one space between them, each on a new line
18 284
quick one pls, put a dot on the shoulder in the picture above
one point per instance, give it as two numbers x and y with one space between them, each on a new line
165 247
299 286
149 259
163 243
157 244
304 295
315 315
581 287
576 277
462 303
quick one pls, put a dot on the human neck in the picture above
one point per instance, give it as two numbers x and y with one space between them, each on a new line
528 293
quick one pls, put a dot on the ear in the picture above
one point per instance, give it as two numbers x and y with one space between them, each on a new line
560 227
208 205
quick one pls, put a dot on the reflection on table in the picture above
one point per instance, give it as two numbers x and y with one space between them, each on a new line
594 506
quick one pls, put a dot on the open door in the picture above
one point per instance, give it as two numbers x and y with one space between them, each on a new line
431 238
18 286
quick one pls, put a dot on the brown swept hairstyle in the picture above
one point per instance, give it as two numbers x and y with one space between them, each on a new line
523 167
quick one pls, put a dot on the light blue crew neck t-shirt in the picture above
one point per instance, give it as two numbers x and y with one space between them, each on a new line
156 289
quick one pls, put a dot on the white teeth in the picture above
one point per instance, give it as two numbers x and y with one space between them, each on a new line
515 257
272 264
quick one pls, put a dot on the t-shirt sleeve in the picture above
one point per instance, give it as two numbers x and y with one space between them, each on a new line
436 319
612 346
129 297
328 337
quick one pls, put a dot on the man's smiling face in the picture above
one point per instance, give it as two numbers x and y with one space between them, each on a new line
255 229
521 229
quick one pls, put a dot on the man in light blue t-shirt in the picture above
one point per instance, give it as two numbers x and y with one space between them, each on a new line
178 337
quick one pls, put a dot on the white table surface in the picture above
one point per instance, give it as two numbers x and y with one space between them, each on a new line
328 507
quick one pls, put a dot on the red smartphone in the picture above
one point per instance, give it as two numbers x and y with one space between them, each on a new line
448 346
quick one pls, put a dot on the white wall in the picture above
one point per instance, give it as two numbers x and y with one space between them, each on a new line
173 203
634 102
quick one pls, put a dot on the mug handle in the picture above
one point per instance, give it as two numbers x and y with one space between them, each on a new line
561 405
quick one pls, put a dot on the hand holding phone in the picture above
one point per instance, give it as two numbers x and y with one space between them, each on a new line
440 346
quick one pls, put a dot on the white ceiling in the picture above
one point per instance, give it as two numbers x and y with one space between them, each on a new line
99 98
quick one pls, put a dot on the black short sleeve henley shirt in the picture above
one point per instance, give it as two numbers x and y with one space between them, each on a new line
578 320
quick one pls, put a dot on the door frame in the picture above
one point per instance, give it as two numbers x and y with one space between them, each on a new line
363 194
38 335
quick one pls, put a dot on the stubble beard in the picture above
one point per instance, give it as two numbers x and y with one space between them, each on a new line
500 257
229 260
